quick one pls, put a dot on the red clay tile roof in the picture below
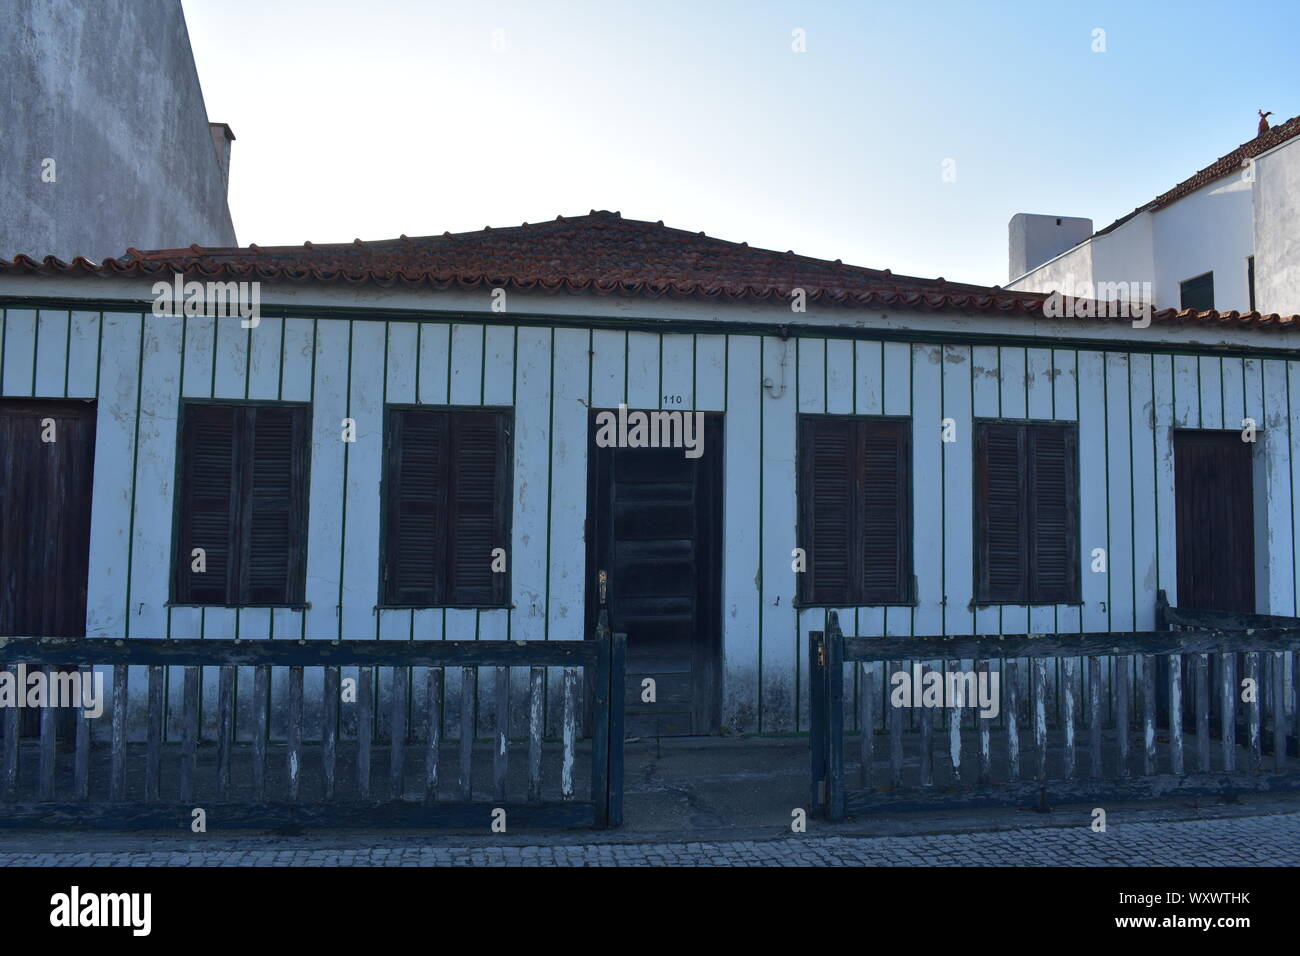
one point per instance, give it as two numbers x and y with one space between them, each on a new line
601 252
1228 165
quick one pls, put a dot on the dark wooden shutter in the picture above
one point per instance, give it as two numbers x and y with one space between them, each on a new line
830 456
208 504
855 510
416 507
884 500
1001 520
243 492
1027 518
274 481
1052 497
477 496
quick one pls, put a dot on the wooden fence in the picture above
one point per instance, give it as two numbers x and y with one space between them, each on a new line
324 777
1078 716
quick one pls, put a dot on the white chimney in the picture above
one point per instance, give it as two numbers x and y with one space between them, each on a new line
1034 239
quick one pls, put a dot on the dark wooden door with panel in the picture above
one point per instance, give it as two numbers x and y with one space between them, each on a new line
654 529
1215 521
47 463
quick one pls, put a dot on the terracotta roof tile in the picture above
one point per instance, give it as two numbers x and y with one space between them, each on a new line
600 252
1232 163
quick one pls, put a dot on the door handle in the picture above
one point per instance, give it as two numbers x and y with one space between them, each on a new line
603 578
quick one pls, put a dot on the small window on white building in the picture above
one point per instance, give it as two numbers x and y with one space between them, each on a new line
1250 280
1198 293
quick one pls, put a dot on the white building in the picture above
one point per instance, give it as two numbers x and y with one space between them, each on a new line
1227 238
949 460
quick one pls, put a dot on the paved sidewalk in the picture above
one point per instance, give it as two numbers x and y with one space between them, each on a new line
1241 841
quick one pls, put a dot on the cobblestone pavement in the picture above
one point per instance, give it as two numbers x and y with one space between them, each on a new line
1241 841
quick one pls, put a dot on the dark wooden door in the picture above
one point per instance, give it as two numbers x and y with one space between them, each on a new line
654 527
1215 521
47 458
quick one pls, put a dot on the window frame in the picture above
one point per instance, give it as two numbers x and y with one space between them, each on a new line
1182 286
180 561
385 501
979 600
906 539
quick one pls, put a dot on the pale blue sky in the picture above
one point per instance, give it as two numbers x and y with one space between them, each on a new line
385 117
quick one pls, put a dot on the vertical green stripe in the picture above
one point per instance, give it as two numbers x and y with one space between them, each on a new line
762 357
99 352
1132 497
36 347
482 367
135 463
343 526
419 354
1105 407
550 484
67 353
279 385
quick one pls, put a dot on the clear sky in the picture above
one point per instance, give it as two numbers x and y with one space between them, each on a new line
375 118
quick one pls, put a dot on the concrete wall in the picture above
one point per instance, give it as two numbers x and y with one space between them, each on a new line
1213 229
109 92
1277 230
1126 403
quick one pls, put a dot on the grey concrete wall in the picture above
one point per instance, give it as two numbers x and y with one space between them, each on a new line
1033 239
107 89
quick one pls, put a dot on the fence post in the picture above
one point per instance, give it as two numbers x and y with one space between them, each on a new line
617 677
834 699
817 719
602 700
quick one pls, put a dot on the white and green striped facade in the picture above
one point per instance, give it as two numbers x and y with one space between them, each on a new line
349 350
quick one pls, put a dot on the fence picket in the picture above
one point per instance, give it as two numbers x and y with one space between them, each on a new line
261 729
1012 713
1253 710
433 733
536 686
1203 712
500 752
48 739
397 730
81 769
225 727
866 722
569 730
1227 712
117 774
365 729
1176 714
468 711
293 753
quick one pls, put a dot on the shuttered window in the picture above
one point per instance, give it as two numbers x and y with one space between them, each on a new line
242 500
855 510
446 500
1026 513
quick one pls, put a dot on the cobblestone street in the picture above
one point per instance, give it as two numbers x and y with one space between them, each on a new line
1243 841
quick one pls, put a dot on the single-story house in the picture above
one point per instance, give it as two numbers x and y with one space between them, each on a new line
454 437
